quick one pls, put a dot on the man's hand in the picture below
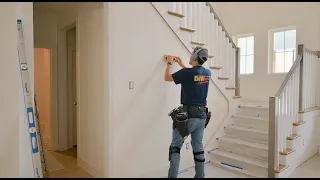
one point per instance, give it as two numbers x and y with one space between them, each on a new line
170 59
167 74
180 63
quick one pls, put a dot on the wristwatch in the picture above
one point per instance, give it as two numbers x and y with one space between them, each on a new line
170 63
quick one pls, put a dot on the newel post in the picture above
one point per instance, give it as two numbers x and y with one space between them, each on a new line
301 53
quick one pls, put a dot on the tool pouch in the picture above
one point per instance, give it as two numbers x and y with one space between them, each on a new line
208 117
180 121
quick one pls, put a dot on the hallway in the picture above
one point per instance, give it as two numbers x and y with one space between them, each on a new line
69 160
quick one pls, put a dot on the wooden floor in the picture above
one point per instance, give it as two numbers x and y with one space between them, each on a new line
69 160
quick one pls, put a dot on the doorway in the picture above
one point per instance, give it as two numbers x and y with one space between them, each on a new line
71 87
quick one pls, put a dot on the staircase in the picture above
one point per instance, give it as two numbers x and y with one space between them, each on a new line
196 24
244 148
248 145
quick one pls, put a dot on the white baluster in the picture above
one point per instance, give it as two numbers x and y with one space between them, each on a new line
291 88
179 7
185 13
295 94
308 80
195 20
212 35
234 66
227 61
199 20
298 93
205 22
206 26
318 87
219 47
304 99
216 43
311 82
190 15
173 6
225 58
223 53
285 119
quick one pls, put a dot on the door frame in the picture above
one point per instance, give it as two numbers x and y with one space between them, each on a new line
60 126
71 91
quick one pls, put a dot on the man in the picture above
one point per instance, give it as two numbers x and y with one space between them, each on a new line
194 90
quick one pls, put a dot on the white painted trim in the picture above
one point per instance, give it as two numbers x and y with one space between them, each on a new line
108 95
270 47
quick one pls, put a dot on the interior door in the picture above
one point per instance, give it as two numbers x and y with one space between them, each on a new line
74 90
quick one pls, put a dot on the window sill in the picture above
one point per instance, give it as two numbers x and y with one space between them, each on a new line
284 73
246 74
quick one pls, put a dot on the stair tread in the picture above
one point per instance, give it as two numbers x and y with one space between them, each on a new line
248 129
245 142
249 117
254 106
241 158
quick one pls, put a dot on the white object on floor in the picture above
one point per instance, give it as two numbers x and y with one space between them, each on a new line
53 163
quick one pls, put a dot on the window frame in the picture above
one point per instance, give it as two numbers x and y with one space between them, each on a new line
235 40
271 67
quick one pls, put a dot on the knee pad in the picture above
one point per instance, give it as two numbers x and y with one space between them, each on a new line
173 150
198 153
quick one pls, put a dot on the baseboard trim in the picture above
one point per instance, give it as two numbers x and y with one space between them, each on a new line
89 169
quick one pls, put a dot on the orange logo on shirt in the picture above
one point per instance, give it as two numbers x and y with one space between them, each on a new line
201 79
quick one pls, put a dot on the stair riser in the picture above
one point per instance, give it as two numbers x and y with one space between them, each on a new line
254 112
247 135
254 152
294 144
258 124
254 170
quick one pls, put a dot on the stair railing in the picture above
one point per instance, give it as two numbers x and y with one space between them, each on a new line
299 91
237 55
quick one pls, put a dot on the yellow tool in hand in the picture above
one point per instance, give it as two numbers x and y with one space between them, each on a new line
175 58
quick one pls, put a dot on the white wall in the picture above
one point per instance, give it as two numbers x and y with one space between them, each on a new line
140 127
15 150
258 18
91 90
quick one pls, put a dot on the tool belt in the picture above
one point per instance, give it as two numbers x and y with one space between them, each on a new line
181 115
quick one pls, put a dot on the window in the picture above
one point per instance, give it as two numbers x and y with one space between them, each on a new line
246 45
283 49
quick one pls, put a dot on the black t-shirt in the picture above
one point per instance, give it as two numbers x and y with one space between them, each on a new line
194 85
